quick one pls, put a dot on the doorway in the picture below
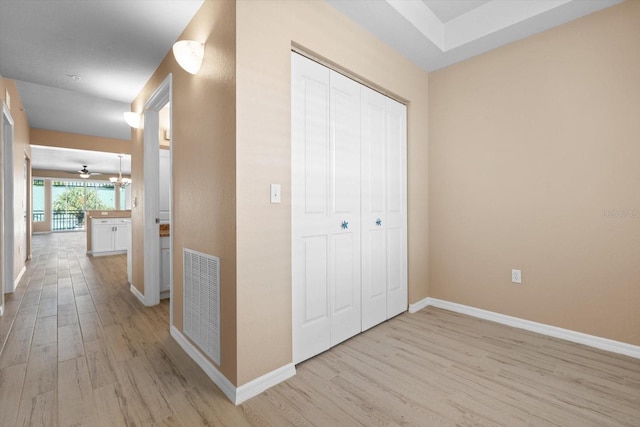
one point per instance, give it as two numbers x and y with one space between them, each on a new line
158 185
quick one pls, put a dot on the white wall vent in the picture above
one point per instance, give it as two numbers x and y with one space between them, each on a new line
202 301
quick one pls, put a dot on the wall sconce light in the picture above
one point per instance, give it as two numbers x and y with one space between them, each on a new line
189 55
133 119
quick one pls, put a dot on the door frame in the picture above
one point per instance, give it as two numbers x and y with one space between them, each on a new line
151 159
8 247
28 185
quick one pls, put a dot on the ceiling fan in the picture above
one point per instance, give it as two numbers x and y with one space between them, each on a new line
84 172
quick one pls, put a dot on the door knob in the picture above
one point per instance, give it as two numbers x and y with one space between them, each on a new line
379 222
345 225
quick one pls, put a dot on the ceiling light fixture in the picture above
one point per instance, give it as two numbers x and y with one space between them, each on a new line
133 119
189 55
120 181
84 172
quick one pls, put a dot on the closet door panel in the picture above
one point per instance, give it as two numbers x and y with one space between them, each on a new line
345 283
374 220
316 150
314 287
396 138
345 315
311 217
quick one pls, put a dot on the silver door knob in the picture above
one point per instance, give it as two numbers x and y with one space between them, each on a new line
345 225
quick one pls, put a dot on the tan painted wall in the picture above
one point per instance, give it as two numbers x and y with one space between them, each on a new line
204 176
165 124
533 159
20 149
77 141
265 32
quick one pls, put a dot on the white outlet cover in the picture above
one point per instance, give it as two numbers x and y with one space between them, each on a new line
275 193
516 276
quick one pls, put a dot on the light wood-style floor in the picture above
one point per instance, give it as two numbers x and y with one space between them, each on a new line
79 350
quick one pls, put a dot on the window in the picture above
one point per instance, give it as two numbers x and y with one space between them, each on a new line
100 196
123 198
38 200
70 200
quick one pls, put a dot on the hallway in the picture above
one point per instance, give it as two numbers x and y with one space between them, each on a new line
83 351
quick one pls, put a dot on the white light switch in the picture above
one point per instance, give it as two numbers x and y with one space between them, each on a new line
275 193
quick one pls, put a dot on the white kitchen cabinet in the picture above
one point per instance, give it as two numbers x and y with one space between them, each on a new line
122 235
109 236
165 260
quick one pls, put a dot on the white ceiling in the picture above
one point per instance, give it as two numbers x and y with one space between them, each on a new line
114 46
437 33
71 161
445 11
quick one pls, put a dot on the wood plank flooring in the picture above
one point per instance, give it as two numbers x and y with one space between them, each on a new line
77 349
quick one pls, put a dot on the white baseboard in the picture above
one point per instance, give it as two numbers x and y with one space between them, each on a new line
137 293
237 395
106 253
212 372
1 310
260 384
552 331
22 271
414 308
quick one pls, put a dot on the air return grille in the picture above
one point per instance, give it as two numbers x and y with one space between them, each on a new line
202 301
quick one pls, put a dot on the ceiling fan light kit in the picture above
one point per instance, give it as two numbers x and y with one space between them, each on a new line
84 172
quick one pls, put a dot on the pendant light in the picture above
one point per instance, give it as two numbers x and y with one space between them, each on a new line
120 181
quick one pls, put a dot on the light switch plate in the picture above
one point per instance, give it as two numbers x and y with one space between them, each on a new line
275 193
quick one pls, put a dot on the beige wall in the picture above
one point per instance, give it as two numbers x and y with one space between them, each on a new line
265 33
533 158
20 150
204 176
77 141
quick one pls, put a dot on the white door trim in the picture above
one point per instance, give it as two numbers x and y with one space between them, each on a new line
152 108
8 247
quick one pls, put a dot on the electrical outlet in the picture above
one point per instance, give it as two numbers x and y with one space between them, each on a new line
516 276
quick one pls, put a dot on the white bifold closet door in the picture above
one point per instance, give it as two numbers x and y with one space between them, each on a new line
348 191
384 208
326 207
